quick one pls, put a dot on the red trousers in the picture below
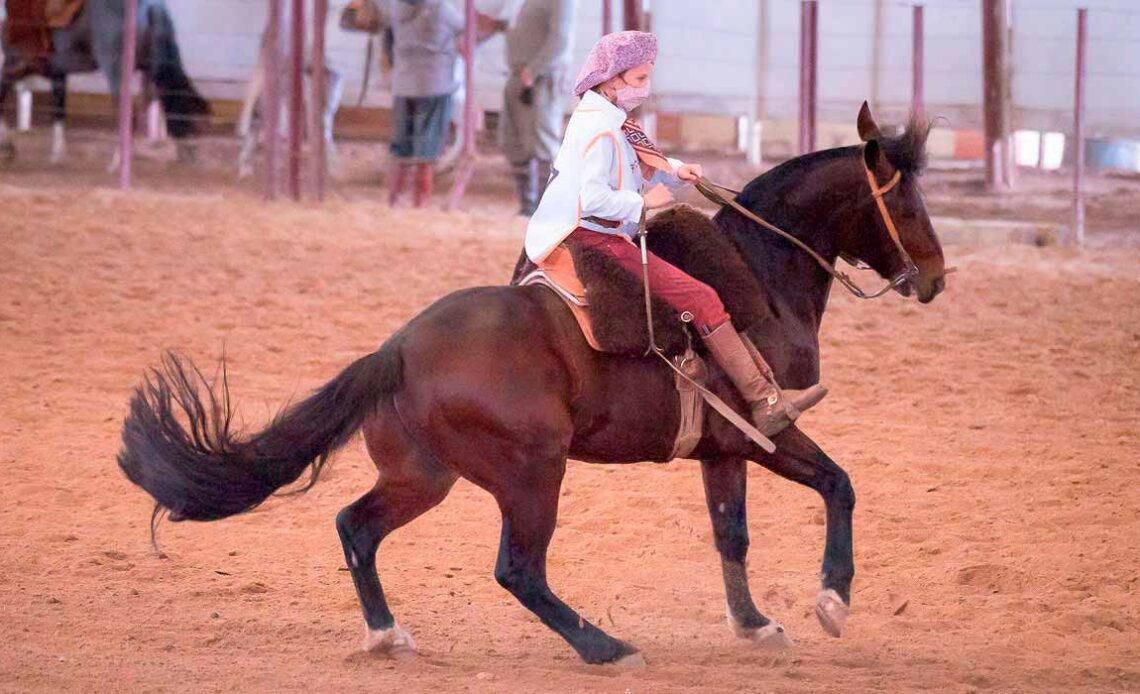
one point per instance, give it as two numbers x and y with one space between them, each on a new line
666 282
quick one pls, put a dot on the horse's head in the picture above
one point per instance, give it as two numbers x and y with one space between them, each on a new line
887 157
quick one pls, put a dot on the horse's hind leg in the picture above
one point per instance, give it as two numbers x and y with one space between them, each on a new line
409 485
799 459
725 485
7 147
529 504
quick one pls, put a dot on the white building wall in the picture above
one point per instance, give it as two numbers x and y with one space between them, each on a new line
714 51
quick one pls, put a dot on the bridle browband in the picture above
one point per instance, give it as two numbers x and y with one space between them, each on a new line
716 193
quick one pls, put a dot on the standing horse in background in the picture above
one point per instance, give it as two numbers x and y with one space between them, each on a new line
498 385
93 40
249 125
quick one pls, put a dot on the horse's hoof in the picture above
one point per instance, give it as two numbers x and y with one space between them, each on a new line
394 643
7 152
771 636
633 661
831 611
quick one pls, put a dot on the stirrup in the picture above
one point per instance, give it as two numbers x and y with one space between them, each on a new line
777 412
799 401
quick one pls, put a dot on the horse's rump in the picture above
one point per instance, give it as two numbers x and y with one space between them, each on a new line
26 36
686 238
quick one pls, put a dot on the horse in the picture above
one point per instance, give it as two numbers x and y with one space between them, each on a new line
249 129
94 41
498 385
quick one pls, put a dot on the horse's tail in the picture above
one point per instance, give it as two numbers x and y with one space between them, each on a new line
180 99
201 470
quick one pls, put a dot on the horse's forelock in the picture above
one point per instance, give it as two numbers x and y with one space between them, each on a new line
907 150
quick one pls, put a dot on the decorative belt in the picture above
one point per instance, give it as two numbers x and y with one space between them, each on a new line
607 223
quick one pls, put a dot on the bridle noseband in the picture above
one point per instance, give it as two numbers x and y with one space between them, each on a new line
716 193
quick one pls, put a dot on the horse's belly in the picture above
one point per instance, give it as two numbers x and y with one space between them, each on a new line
628 412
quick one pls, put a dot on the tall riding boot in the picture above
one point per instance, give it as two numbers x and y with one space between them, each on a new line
399 180
544 169
423 184
772 409
526 181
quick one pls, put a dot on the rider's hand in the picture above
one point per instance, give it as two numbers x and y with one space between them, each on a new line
526 78
689 173
658 196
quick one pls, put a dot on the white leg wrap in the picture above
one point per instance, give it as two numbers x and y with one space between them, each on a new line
395 642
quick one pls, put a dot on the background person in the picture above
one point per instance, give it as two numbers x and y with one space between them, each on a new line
538 56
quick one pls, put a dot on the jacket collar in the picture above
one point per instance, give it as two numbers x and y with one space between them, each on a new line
611 114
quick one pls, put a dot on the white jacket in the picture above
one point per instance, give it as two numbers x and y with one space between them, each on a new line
596 174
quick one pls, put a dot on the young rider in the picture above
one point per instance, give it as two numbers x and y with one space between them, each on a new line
606 173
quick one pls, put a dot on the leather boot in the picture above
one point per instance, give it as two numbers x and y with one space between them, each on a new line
526 181
796 401
544 169
772 409
424 177
399 180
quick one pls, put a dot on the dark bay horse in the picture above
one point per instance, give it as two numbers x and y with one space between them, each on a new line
498 386
94 41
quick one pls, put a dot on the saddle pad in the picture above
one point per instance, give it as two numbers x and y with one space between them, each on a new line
557 274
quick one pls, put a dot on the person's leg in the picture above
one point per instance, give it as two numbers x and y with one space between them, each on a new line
516 138
772 409
400 150
431 122
549 122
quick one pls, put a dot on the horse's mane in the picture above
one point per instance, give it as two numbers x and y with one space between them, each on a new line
906 151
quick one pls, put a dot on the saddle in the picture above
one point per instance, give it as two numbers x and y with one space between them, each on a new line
609 304
59 14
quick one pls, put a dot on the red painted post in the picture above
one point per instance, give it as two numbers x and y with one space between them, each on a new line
271 98
607 16
918 35
1078 233
631 11
296 97
470 111
126 97
318 97
809 58
996 93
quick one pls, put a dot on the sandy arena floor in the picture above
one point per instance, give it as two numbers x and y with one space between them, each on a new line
992 437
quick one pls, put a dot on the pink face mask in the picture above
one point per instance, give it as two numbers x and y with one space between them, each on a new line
629 98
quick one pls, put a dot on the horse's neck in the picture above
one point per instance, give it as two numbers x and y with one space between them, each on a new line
818 202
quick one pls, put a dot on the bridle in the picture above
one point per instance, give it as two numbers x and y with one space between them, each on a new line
720 195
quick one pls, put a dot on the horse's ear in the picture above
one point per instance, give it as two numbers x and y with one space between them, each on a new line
868 129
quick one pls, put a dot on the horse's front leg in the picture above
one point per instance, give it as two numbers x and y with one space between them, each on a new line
58 116
334 93
799 459
725 486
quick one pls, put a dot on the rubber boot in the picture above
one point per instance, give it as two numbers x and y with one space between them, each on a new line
526 182
772 409
399 180
424 178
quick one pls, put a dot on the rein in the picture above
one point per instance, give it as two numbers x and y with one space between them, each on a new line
716 194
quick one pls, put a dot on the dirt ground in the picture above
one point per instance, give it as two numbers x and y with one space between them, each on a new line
992 438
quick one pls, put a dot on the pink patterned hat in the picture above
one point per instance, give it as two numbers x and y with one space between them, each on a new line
612 55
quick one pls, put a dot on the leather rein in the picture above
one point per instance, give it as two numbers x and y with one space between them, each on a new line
720 195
